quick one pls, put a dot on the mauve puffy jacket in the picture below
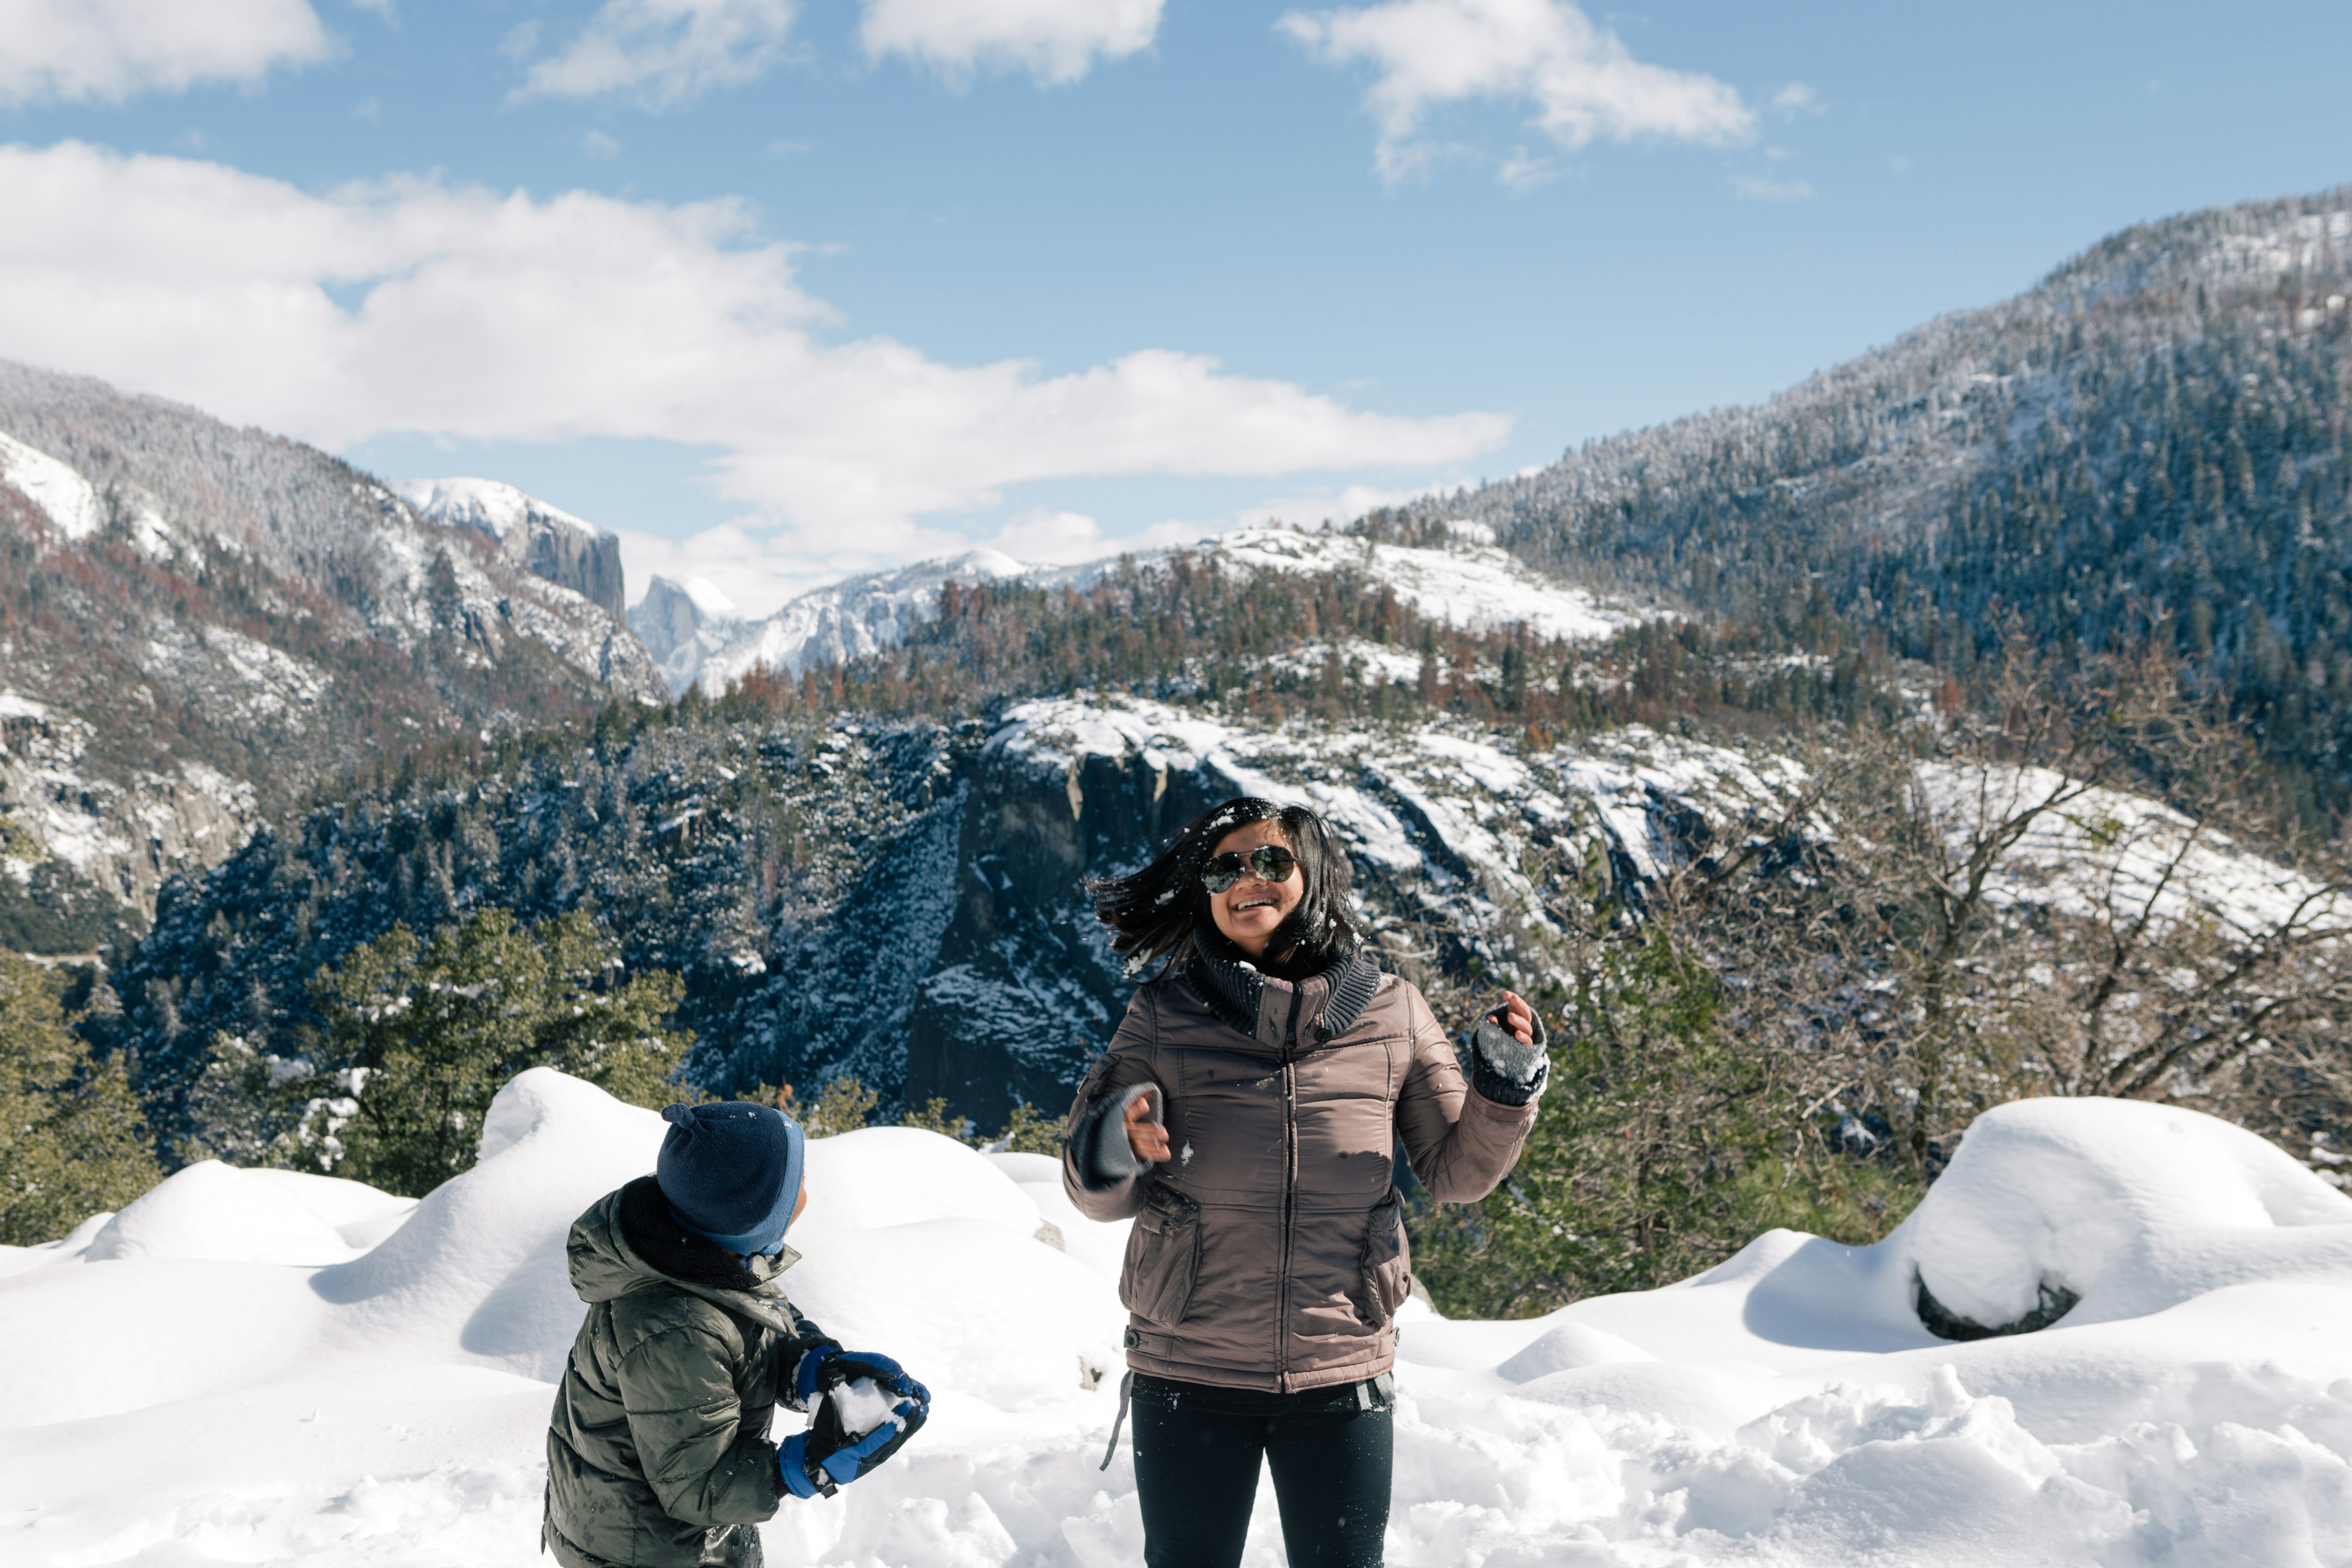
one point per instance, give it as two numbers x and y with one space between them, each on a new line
1267 1253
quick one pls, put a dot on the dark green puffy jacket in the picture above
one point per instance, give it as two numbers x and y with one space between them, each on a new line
659 1436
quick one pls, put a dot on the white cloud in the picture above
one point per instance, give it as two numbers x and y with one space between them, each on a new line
1798 99
663 52
1053 40
1584 84
1523 172
1760 188
478 314
1344 505
1045 535
79 50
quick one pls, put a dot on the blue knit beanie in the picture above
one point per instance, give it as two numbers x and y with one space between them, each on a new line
731 1172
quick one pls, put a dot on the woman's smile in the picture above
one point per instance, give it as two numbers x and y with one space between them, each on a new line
1248 912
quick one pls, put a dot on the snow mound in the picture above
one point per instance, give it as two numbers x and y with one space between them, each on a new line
223 1215
2133 1207
1786 1409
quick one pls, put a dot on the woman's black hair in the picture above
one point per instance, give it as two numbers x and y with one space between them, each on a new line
1162 911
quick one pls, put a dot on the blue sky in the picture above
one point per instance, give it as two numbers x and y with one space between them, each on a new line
785 290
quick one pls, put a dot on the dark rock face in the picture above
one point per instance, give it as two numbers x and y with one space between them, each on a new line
1027 990
587 563
665 620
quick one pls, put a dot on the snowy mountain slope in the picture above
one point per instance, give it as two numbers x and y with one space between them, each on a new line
901 902
1468 584
543 540
342 1378
2156 428
2105 851
209 621
847 620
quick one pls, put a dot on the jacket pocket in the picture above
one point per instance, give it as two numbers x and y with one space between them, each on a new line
1164 1256
1387 1264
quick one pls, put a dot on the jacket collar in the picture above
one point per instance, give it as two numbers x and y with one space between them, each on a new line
646 1236
1259 1004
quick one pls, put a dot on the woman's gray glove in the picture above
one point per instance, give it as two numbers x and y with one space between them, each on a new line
1098 1144
1504 1069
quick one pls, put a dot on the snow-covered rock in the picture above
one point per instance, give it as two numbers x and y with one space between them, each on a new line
1470 584
1786 1409
2132 1208
2111 853
542 538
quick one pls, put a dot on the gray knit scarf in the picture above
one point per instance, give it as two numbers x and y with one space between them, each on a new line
1232 985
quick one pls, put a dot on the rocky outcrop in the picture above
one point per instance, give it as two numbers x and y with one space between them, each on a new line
543 540
682 624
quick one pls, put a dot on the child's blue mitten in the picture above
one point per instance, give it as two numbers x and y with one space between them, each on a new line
828 1455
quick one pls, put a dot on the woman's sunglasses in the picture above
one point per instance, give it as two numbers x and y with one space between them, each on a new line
1267 863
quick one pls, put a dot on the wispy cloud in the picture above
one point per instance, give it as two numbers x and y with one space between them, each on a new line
84 50
1580 80
1055 41
661 53
409 306
1760 188
1798 99
1523 172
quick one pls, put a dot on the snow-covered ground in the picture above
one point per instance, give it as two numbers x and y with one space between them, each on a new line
262 1367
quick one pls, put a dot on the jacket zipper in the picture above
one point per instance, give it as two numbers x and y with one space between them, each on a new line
1289 1194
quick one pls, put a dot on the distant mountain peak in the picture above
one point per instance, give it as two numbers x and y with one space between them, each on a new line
542 538
709 601
488 506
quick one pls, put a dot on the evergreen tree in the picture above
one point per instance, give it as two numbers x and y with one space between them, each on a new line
419 1036
72 1141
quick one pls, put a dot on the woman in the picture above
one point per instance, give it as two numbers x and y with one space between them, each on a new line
1245 1115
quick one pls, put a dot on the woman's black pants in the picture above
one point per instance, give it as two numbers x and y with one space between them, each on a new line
1196 1462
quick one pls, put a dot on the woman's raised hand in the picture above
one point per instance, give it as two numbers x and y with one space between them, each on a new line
1514 1016
1147 1138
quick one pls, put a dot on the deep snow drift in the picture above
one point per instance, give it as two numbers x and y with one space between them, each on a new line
251 1366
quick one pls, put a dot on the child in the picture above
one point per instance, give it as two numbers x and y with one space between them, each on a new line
657 1452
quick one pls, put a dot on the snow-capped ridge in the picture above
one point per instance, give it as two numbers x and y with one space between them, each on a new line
853 618
487 506
1467 583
